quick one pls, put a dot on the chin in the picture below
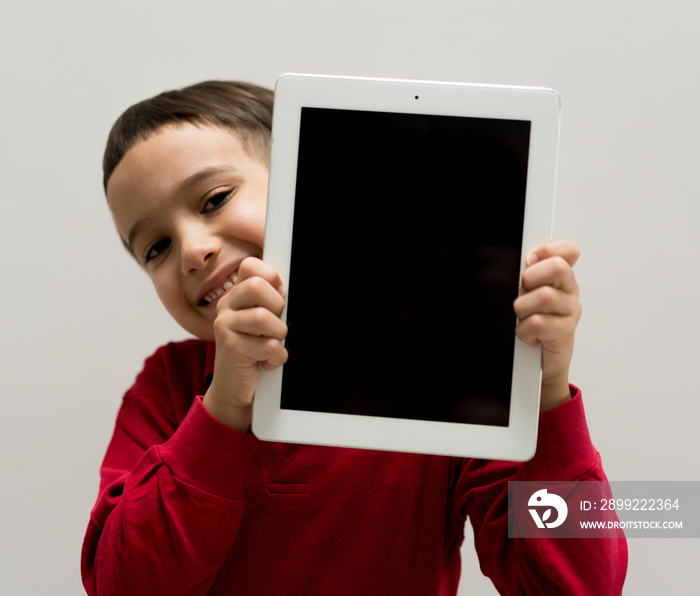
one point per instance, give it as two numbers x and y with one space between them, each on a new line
207 335
200 329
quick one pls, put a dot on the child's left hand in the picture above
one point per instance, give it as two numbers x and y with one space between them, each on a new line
548 311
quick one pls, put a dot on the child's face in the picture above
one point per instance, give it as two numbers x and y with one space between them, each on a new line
190 203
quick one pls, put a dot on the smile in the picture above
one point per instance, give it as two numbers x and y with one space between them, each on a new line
220 291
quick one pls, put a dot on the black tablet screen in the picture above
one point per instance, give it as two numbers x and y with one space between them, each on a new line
404 265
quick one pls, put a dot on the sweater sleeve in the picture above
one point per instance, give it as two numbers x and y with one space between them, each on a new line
169 504
541 566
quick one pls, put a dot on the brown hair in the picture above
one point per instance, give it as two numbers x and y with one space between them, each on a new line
244 108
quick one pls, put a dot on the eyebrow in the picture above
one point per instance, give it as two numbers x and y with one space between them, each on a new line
198 177
187 184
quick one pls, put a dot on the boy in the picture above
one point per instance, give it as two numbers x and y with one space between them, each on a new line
192 503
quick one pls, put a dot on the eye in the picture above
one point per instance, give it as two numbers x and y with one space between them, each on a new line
156 249
217 201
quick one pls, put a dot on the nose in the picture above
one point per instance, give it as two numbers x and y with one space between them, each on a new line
197 246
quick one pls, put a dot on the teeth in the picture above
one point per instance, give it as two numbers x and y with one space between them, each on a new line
228 284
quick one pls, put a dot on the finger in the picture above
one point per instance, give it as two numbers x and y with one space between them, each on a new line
551 330
566 249
254 267
553 271
258 322
277 358
547 300
252 292
261 349
269 352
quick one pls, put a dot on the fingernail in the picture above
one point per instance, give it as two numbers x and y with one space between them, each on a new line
281 289
531 258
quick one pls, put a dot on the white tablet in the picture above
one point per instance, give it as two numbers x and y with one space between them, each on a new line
399 216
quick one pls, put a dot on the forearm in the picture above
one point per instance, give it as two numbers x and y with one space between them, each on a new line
166 526
543 566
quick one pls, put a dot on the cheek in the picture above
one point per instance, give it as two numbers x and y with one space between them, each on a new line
167 294
168 291
248 223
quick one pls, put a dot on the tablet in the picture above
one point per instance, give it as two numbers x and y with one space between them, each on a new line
399 216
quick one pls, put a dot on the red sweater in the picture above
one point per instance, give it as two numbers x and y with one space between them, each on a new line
189 506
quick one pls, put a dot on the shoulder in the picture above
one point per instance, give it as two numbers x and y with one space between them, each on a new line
187 352
174 374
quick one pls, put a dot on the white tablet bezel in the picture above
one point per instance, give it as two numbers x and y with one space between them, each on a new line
538 105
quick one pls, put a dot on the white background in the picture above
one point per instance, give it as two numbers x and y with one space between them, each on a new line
78 317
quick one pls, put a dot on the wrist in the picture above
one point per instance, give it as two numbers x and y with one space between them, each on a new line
232 415
554 393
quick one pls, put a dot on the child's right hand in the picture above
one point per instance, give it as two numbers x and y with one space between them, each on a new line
248 332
